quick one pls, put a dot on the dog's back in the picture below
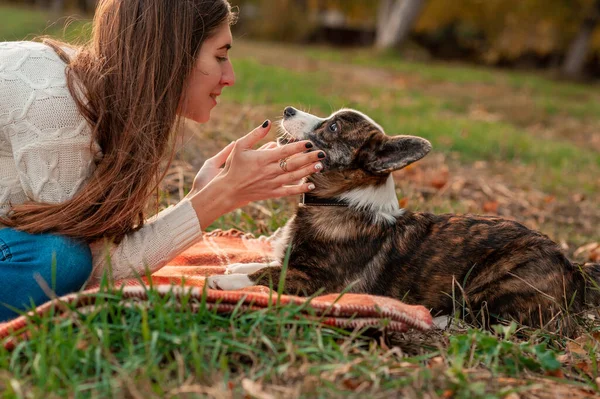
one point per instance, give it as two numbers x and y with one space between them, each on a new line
490 266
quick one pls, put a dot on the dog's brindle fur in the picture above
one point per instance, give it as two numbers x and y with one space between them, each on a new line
439 261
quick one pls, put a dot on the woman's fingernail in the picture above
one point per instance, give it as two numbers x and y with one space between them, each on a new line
308 145
321 155
311 186
319 166
265 124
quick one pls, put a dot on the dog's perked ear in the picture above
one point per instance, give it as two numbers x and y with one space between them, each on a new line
385 154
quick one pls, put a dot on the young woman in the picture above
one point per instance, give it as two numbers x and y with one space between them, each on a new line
83 132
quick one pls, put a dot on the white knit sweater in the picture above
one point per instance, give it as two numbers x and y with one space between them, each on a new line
46 156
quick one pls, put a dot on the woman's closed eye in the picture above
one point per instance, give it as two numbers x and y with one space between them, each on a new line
222 59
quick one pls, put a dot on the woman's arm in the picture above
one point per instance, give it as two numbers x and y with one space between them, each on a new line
161 238
249 175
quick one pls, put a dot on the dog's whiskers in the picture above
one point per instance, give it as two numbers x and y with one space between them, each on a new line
285 135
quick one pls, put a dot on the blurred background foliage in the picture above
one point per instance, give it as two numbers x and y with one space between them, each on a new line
558 35
509 33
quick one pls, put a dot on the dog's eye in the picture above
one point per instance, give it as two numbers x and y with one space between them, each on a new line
333 127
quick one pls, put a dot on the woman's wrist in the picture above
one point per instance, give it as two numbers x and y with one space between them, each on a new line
213 201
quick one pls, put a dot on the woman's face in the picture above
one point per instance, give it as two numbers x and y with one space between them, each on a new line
212 72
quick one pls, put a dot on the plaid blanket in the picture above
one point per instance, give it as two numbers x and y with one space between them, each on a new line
186 275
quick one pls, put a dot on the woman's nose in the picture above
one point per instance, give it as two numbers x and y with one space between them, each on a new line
228 77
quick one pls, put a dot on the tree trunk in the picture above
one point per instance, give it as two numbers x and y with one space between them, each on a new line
577 53
58 6
383 13
42 3
395 19
87 6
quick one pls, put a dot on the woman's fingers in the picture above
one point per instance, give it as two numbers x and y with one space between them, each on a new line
268 146
250 140
298 161
288 191
287 150
295 176
220 158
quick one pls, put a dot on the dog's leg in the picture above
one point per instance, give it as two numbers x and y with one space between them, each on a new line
229 282
296 282
247 268
275 236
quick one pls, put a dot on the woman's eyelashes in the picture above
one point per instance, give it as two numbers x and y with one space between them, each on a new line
222 59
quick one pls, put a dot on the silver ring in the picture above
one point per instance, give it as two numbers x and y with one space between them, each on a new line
283 164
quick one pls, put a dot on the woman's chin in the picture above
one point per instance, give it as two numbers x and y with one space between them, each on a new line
200 117
204 119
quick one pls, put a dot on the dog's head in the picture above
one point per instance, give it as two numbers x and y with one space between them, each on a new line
357 148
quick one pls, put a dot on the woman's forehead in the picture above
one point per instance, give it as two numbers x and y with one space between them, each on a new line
222 37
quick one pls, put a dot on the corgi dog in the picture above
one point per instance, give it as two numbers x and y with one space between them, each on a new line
349 233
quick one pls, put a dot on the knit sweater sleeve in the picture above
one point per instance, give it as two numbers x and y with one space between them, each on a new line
148 249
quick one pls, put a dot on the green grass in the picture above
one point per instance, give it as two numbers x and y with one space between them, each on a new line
18 23
165 349
260 84
452 72
439 72
162 348
552 97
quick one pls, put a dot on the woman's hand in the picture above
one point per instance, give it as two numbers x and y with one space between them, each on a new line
211 168
258 175
253 175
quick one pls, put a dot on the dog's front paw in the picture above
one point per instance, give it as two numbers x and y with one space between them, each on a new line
229 282
244 268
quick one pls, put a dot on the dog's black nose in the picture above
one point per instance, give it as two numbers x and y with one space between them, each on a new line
288 112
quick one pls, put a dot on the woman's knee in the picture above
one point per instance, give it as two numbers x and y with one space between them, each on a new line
68 264
63 264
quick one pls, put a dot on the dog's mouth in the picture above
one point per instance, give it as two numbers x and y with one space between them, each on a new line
286 140
286 137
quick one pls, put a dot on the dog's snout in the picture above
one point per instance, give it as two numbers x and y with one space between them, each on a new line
288 112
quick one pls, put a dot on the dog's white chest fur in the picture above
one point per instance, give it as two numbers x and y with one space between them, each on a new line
381 201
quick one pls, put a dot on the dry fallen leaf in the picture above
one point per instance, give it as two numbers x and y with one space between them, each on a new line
579 351
351 383
549 199
595 255
255 390
436 362
490 207
556 373
441 178
590 251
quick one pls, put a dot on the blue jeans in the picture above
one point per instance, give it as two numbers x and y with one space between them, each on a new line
63 263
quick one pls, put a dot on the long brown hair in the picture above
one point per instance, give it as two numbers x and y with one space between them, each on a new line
128 82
